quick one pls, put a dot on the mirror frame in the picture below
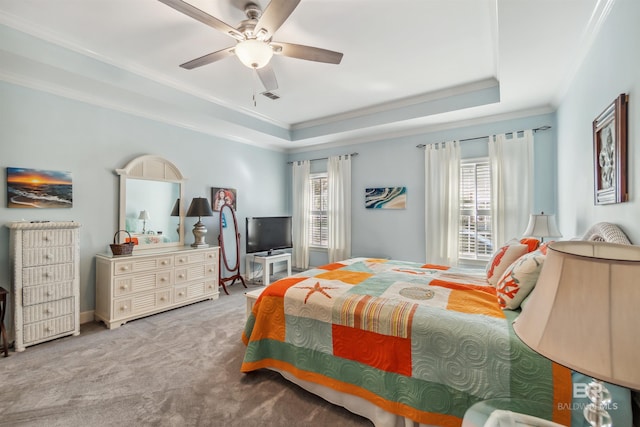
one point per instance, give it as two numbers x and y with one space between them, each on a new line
153 168
234 270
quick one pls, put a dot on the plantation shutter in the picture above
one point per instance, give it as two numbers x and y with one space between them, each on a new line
475 238
318 229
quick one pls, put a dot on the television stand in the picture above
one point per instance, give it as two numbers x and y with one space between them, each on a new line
265 261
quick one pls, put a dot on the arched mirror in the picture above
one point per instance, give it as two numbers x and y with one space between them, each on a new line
150 202
229 240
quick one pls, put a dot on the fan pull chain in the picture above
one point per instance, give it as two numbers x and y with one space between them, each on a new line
255 81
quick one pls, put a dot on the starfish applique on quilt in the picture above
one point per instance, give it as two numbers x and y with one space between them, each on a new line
313 289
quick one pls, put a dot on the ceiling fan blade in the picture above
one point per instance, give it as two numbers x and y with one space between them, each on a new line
267 77
274 15
204 17
209 58
306 52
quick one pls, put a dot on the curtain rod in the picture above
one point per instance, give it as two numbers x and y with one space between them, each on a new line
487 136
323 158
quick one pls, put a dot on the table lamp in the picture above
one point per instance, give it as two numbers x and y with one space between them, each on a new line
541 226
144 216
176 212
583 314
199 207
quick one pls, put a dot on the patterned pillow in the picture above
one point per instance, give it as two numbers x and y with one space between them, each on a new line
519 279
503 258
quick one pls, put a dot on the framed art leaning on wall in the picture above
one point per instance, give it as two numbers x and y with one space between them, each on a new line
610 153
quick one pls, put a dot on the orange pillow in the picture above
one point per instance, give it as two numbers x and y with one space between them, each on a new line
531 243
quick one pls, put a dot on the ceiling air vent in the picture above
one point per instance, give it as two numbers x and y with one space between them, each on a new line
271 95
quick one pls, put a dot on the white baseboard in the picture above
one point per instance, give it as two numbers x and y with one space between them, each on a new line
86 316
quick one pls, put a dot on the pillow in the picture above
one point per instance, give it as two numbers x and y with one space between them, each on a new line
503 258
519 279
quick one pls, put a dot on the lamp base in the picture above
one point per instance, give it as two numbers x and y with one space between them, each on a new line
595 412
199 231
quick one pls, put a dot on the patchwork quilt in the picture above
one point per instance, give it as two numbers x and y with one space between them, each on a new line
421 341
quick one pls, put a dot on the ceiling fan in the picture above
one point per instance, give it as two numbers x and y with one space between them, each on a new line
255 47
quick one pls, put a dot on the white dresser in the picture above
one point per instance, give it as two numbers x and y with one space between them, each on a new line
46 281
149 282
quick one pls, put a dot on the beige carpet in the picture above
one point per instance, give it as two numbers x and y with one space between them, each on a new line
179 368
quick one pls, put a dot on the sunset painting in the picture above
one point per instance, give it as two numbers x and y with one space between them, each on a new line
35 188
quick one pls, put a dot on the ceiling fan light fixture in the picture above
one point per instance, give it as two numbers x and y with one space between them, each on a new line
254 53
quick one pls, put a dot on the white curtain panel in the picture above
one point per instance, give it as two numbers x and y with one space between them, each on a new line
301 212
511 159
442 202
339 207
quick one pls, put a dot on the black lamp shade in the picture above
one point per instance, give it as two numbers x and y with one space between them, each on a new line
200 207
176 208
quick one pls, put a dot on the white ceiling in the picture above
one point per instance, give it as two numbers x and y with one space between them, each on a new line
409 66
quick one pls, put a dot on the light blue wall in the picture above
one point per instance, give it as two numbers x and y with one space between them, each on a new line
611 67
43 131
400 234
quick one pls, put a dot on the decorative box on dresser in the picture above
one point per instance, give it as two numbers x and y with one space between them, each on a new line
149 282
46 281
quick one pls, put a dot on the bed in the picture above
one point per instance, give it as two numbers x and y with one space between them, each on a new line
403 343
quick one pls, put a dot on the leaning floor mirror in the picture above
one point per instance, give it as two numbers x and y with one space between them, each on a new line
229 241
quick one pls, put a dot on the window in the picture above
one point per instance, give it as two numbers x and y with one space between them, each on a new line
318 231
475 238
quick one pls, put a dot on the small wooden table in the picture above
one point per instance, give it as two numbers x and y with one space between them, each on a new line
3 309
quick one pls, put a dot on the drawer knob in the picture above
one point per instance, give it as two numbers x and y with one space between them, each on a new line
124 287
181 276
163 279
163 298
48 329
123 308
48 310
181 294
48 256
47 274
163 262
181 260
211 269
45 238
49 293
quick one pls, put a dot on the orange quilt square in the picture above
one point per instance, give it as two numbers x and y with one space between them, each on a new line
474 302
346 276
334 266
373 349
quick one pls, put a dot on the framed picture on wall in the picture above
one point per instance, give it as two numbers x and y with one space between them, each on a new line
610 153
223 196
385 198
38 188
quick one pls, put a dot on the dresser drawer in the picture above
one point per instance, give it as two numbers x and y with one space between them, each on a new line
195 290
124 285
131 265
198 257
49 310
47 238
33 276
45 293
48 328
141 304
47 256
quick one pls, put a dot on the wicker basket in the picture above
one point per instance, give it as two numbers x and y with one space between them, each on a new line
122 248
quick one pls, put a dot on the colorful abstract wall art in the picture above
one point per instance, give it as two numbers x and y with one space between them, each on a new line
36 188
385 198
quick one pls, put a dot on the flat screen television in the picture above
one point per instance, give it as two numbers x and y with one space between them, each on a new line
268 233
